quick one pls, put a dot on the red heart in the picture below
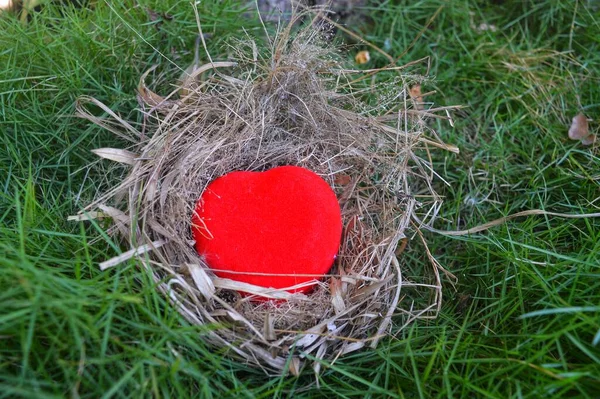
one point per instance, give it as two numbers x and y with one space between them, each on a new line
286 220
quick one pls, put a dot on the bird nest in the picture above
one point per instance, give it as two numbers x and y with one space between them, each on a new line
296 105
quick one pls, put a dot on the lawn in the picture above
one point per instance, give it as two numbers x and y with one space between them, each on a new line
523 320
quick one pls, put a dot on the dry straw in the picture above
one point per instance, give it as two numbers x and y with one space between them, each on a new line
295 106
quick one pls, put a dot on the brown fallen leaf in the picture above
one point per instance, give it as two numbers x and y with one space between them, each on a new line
362 57
580 130
417 95
342 179
158 18
589 140
401 247
579 127
146 95
152 15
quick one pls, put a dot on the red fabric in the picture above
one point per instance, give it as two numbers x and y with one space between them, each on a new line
286 220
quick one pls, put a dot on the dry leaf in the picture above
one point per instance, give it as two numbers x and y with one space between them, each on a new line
202 280
148 96
117 155
579 127
401 247
589 140
295 366
337 300
580 130
351 347
269 293
342 179
309 337
158 17
114 213
92 215
189 77
152 15
362 57
269 328
142 249
417 95
415 92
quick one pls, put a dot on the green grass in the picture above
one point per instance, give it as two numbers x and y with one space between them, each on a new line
524 319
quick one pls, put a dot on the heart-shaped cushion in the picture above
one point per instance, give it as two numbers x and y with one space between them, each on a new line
285 221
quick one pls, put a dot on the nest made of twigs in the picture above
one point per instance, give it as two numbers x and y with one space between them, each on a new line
297 106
